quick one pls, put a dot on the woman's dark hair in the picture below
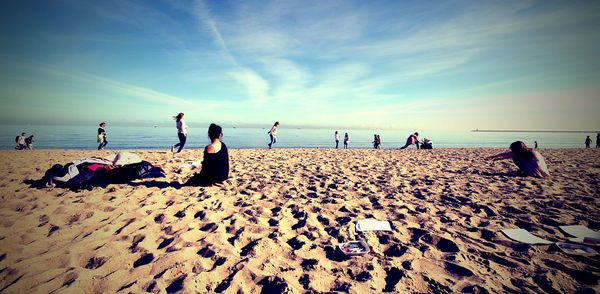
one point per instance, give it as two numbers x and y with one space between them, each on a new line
521 151
417 134
214 131
178 117
102 123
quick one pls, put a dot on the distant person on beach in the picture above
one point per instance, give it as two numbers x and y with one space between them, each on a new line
376 141
20 140
588 142
215 165
29 142
346 139
337 139
427 144
273 133
529 161
598 140
181 132
102 136
535 145
412 140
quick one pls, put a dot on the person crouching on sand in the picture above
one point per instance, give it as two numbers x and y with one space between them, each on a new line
529 161
215 165
412 140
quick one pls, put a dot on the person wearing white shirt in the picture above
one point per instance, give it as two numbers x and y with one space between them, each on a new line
181 132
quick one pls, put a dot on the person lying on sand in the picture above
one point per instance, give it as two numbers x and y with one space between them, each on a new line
529 161
215 166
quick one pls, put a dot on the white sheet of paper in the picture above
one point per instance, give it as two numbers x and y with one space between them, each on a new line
580 231
524 236
372 225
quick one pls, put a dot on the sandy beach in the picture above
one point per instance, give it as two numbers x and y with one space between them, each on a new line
276 224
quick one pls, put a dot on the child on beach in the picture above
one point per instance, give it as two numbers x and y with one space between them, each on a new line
272 133
346 139
412 140
529 161
181 132
215 165
102 136
29 142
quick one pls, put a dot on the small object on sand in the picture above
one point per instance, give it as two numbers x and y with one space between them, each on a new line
355 247
192 159
372 225
583 234
195 163
185 166
524 236
175 159
576 249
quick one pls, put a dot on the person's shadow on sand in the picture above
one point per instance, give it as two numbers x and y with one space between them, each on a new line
157 184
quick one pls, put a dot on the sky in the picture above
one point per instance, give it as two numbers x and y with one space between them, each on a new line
418 65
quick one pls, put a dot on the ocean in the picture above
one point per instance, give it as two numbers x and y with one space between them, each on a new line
129 137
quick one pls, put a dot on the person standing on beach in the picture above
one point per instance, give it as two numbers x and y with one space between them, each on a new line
376 141
102 136
412 140
337 139
21 142
273 133
588 142
346 139
181 132
535 145
529 161
598 140
215 166
29 142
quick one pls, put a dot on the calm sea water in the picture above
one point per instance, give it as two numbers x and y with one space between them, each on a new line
122 137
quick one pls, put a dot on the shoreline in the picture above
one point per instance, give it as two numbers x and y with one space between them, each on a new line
278 220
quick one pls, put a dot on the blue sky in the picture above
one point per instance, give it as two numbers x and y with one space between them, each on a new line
438 65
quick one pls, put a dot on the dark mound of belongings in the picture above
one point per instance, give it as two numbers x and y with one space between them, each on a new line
90 172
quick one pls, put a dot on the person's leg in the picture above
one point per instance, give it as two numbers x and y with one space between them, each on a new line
271 143
336 144
101 145
182 139
417 144
403 147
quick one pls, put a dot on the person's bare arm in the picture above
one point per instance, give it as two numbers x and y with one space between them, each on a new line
505 155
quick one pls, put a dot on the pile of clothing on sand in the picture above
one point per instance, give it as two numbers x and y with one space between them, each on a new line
90 172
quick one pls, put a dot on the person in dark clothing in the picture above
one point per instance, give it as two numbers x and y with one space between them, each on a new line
588 142
102 136
215 165
29 142
412 140
598 140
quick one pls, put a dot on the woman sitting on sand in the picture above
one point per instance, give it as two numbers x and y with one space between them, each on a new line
529 161
215 166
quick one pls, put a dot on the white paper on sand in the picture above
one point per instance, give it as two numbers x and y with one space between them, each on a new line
580 232
524 236
372 225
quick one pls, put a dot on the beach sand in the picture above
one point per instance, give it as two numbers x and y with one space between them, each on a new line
276 224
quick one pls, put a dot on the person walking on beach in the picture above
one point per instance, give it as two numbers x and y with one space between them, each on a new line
215 166
20 142
29 142
346 139
273 133
588 142
337 139
529 161
102 136
412 140
376 141
181 132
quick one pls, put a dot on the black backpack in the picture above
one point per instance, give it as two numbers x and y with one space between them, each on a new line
17 139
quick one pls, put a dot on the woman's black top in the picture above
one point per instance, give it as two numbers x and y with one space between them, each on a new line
215 168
